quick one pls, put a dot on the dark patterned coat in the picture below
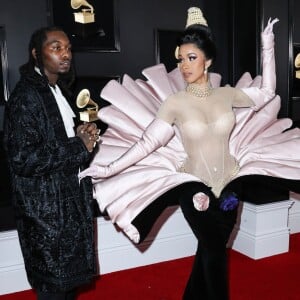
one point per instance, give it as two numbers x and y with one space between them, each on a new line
53 212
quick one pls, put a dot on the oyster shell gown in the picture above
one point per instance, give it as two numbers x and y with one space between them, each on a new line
260 142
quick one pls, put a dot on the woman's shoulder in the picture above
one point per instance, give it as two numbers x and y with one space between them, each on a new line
176 97
233 95
178 94
173 103
225 89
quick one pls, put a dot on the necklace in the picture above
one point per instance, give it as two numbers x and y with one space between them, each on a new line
201 91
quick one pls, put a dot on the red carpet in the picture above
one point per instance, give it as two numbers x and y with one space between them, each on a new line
273 278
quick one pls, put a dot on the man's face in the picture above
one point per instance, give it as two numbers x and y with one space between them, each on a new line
56 55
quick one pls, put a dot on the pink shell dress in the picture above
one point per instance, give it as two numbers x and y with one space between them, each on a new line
260 142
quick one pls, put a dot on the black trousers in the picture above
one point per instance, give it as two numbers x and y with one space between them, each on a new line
69 295
209 276
212 228
208 279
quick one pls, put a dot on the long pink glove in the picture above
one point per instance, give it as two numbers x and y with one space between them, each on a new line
157 134
266 92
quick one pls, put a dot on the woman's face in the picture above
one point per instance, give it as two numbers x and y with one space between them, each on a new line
56 55
192 63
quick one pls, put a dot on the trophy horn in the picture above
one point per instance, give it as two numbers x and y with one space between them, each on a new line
75 4
86 15
83 99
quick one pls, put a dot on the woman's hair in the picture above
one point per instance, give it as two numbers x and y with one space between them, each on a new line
37 40
200 36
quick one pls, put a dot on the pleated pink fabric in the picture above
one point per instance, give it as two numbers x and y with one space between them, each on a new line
259 142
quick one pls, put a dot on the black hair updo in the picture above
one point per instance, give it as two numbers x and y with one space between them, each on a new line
200 36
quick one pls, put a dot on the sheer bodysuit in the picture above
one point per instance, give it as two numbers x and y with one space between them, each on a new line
205 124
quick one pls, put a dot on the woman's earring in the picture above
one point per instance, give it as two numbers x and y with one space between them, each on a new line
205 70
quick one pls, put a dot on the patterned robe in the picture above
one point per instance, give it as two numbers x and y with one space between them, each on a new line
53 213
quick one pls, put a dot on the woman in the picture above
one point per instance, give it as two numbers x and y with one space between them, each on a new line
53 214
211 171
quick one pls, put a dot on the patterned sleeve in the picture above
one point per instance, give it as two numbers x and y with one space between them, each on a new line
31 149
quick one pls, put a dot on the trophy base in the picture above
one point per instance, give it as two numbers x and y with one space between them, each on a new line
88 116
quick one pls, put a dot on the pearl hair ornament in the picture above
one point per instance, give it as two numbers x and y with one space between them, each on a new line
195 16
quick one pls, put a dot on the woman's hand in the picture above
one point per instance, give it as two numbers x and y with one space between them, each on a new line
94 172
267 36
269 27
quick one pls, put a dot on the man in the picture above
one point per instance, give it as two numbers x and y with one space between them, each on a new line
53 213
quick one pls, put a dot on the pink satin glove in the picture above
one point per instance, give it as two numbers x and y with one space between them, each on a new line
266 92
94 172
267 36
156 135
269 71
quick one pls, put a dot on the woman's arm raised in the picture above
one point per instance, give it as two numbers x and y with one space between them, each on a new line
266 91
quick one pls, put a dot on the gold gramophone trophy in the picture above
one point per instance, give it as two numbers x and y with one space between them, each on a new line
297 65
86 15
83 99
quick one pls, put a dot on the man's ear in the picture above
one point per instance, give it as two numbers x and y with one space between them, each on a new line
33 52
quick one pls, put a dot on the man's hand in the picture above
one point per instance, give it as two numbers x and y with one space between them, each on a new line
89 134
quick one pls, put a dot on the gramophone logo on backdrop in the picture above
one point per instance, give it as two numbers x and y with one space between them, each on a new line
86 15
297 65
85 26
